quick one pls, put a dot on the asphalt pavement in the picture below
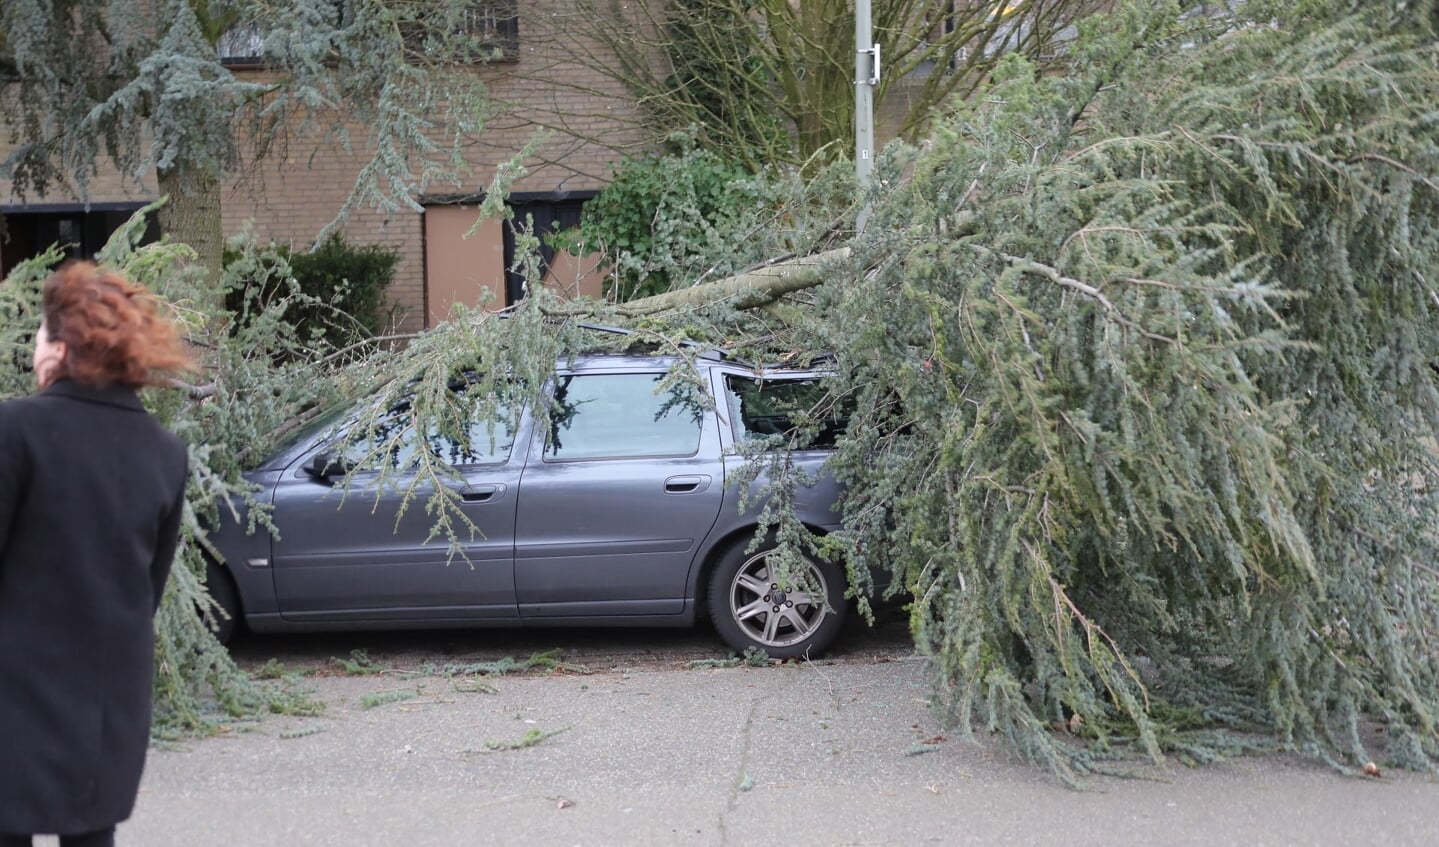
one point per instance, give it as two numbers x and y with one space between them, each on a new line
845 752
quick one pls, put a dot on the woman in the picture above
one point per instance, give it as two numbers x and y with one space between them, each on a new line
91 493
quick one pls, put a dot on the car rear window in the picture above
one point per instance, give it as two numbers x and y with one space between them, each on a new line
776 407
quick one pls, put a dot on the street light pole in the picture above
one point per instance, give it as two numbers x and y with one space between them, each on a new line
866 77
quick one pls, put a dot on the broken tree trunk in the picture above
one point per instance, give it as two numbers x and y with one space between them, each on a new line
748 290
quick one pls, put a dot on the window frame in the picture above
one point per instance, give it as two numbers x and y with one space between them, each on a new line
502 47
501 17
253 58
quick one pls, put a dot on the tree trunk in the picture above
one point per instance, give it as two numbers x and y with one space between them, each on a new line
191 214
747 290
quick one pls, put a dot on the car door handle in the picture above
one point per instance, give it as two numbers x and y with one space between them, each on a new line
687 484
481 493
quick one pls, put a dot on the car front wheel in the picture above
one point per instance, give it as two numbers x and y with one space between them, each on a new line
753 608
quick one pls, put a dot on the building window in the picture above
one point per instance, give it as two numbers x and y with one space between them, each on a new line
242 44
491 29
497 24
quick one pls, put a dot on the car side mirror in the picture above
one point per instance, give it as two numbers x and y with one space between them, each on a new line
327 464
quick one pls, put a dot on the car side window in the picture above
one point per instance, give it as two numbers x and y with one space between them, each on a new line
393 444
607 416
773 407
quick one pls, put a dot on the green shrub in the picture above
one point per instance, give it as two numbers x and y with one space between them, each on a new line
336 291
665 221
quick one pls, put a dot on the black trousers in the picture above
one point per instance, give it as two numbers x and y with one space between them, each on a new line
99 838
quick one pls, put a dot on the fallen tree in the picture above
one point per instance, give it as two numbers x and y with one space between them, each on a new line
1137 363
1143 406
1149 432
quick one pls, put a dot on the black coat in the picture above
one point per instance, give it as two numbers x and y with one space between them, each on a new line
91 493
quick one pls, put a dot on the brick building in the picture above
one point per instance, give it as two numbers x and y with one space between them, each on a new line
588 120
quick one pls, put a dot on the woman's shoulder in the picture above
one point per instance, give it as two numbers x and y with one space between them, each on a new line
21 408
39 404
77 406
19 416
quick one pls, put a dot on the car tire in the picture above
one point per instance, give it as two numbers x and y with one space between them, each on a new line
221 586
751 612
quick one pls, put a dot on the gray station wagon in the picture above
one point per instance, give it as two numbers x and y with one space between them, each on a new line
623 510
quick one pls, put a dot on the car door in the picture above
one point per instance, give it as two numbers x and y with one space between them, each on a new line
355 550
617 497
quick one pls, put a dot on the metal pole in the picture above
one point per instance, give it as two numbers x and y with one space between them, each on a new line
866 77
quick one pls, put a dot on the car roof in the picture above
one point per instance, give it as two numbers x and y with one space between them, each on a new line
649 361
815 366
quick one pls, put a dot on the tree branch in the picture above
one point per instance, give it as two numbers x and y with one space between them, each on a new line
1051 273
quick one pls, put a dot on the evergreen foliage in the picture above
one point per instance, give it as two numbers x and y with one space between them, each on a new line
1138 367
149 88
1138 364
1149 426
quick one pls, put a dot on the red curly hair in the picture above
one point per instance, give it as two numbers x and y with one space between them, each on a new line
112 329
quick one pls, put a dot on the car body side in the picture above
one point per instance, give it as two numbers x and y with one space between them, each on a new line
572 564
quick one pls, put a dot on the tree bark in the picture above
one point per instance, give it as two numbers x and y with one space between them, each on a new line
747 290
191 214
